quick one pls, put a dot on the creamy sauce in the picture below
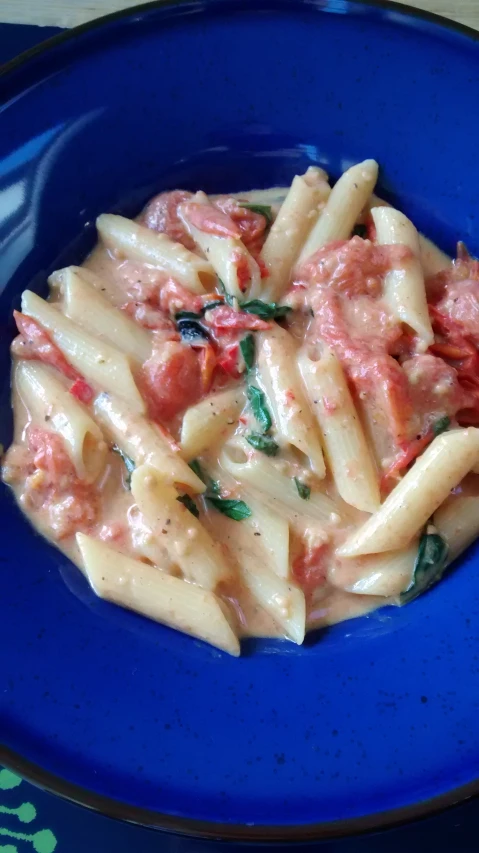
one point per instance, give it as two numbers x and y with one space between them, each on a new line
337 299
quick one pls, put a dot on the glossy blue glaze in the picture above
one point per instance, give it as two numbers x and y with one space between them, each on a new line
376 714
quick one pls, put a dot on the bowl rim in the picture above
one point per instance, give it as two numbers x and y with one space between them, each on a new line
35 773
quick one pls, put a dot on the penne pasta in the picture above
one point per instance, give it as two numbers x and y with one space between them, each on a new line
294 422
184 537
413 501
209 421
138 243
156 595
100 363
348 454
51 406
247 500
278 489
458 523
404 289
144 442
297 216
386 574
85 306
229 257
433 259
274 532
348 197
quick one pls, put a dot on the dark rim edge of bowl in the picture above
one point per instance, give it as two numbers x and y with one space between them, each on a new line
231 832
188 826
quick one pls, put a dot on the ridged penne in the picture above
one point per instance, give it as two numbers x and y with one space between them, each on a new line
51 406
414 500
296 217
227 255
348 197
294 422
347 451
144 442
85 306
155 594
99 362
210 421
404 289
278 489
186 540
138 243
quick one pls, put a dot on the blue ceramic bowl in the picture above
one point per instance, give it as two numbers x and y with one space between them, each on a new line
375 720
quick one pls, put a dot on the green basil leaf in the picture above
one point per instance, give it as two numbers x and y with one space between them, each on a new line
228 298
259 407
189 504
128 463
210 305
197 469
265 310
429 566
303 490
264 443
237 510
247 347
441 425
214 489
262 209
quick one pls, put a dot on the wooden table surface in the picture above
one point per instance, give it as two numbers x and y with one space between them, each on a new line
68 13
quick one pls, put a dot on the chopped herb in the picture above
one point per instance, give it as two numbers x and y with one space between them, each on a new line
228 298
210 305
187 315
189 504
429 566
441 425
214 489
128 463
237 510
259 408
303 490
262 209
264 443
360 231
196 468
247 347
265 310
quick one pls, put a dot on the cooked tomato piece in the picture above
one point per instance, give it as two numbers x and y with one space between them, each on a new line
53 486
224 318
174 297
243 270
351 267
460 303
171 380
161 214
252 226
211 220
34 343
82 391
151 318
310 568
434 389
207 359
228 360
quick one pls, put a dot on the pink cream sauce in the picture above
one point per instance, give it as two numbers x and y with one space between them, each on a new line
398 392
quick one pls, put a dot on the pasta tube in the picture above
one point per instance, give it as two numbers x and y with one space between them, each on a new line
156 595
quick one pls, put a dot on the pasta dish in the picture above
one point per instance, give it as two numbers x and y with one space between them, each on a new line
253 414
